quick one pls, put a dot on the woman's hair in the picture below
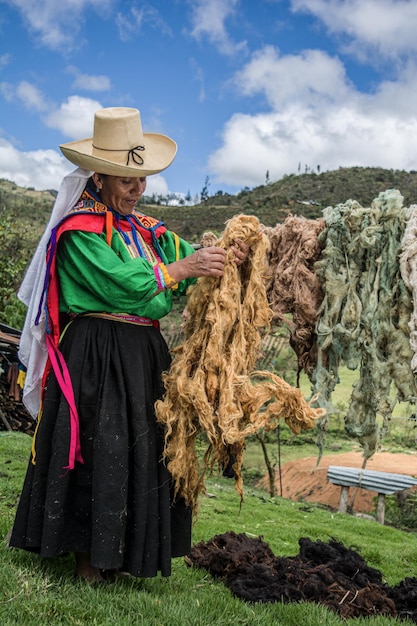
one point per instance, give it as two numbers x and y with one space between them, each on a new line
91 186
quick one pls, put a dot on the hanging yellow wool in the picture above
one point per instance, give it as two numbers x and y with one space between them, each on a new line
211 386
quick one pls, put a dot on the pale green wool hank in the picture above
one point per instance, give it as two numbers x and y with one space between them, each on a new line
408 264
365 313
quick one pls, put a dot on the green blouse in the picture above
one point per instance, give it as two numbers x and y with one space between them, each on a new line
96 277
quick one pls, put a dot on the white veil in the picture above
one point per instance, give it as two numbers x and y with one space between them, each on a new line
32 351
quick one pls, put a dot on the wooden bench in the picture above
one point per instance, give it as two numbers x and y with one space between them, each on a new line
384 483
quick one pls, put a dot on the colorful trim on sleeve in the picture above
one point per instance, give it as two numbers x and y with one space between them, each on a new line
177 246
163 278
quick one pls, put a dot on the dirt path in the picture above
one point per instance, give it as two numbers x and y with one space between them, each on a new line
302 481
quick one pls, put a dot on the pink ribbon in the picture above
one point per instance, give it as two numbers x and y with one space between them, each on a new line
64 381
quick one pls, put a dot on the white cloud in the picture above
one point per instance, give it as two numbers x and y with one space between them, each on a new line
56 24
130 24
398 97
5 59
156 185
198 75
310 77
8 91
89 82
385 27
315 117
75 117
31 97
40 169
278 142
208 21
27 93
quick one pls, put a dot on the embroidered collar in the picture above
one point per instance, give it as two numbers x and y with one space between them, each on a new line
90 203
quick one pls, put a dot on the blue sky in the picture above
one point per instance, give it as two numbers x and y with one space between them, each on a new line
245 87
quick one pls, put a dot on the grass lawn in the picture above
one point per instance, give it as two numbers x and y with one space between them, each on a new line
44 592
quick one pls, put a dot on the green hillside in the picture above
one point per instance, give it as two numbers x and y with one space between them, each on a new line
26 203
304 194
300 194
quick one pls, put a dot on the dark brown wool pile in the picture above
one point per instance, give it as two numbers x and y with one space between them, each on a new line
326 573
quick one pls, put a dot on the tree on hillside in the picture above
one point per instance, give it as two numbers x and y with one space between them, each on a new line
15 251
205 191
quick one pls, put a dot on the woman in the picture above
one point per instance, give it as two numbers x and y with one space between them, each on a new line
96 485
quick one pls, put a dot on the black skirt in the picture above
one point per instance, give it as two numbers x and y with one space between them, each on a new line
118 504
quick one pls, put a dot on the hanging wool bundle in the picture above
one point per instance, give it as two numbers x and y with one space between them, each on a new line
408 265
365 313
211 386
208 239
293 286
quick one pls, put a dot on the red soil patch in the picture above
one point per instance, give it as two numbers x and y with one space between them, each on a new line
303 482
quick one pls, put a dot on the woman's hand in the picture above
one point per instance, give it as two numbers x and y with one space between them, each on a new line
208 261
241 250
203 262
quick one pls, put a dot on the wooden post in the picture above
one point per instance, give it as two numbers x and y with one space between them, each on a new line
380 508
5 422
344 495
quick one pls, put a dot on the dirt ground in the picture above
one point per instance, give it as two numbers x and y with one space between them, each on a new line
302 481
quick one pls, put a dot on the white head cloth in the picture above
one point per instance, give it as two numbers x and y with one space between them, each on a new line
32 351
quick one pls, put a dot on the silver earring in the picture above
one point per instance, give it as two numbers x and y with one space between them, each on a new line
97 189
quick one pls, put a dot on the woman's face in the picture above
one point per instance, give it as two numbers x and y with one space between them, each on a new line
119 192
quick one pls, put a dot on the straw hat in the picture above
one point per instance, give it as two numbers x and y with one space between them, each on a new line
119 147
